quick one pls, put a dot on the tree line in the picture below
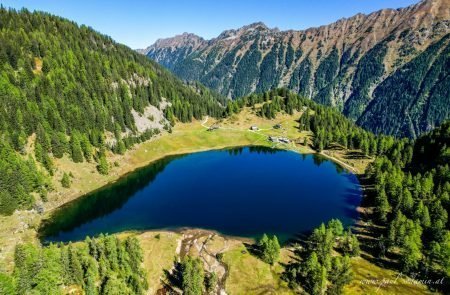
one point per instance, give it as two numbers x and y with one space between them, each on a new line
103 265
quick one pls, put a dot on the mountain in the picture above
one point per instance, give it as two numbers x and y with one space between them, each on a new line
66 90
388 70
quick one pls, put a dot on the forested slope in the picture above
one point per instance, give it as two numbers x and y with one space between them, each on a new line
408 191
68 90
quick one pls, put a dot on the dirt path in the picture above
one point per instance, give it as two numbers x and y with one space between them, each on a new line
205 121
340 162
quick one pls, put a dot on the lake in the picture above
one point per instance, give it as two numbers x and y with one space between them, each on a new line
240 192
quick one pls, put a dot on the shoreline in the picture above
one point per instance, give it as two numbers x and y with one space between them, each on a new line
134 168
47 217
47 214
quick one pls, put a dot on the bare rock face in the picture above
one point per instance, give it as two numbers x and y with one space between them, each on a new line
352 64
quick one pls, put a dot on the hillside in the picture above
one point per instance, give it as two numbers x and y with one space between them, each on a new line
392 59
66 90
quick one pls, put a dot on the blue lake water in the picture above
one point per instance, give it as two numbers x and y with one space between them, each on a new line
240 192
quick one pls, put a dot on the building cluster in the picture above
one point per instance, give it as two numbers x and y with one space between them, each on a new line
279 139
213 127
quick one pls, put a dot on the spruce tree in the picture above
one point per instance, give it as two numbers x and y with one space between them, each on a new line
65 180
75 147
103 167
192 276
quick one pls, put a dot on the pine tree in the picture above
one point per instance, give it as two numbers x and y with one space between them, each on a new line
350 244
75 146
339 275
65 181
269 249
65 265
135 253
336 227
86 148
410 255
114 286
192 276
210 282
315 275
76 269
102 166
91 288
121 148
383 206
7 285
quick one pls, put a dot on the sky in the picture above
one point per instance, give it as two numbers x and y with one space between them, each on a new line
139 23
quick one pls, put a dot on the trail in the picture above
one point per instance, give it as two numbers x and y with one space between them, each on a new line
340 162
205 121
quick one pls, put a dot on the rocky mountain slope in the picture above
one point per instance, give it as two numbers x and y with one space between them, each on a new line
388 70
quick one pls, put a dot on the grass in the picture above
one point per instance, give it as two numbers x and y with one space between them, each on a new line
159 254
355 160
250 275
372 279
17 228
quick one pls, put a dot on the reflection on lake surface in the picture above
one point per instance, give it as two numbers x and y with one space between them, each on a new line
241 192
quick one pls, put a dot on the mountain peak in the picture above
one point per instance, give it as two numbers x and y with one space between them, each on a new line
183 40
244 30
255 25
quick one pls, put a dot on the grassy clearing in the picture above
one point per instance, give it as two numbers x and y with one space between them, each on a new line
249 275
18 228
159 255
372 279
37 65
354 160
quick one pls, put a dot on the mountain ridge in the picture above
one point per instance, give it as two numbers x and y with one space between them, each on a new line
180 37
339 64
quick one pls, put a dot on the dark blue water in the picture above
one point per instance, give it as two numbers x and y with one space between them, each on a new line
240 192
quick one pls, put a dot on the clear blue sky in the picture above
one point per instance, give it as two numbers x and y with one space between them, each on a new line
139 23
